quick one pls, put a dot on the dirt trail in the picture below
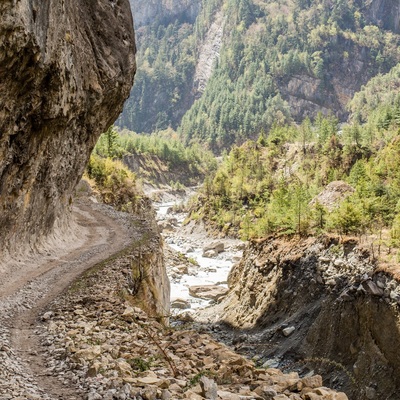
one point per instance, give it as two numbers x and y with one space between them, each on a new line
25 290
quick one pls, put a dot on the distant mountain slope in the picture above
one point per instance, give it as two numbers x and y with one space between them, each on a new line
166 64
265 62
147 12
377 98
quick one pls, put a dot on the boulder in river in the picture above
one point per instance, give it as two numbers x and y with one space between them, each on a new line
218 247
208 292
165 226
180 304
210 254
181 269
187 248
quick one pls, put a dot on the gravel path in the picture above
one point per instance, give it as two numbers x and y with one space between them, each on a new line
29 284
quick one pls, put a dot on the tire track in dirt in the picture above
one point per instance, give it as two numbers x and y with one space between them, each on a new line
24 294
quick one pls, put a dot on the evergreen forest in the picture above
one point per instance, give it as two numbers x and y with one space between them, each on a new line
279 62
303 105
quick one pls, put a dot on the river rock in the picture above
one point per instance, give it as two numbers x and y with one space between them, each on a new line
210 254
218 247
208 292
181 269
180 304
208 388
241 246
187 248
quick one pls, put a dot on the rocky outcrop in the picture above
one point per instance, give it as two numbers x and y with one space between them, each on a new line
333 194
344 76
66 68
146 11
208 292
149 278
208 54
385 13
321 302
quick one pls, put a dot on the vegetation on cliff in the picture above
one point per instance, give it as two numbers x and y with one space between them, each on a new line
116 185
161 153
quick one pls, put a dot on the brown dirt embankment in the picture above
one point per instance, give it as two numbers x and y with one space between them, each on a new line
323 303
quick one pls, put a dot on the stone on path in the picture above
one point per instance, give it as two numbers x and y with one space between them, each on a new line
209 388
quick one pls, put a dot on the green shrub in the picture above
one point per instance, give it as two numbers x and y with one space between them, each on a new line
115 183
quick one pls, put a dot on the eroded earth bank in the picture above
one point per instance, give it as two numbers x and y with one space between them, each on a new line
321 304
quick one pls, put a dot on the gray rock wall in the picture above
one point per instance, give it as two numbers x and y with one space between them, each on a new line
65 69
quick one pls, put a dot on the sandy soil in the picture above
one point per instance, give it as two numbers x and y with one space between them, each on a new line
28 284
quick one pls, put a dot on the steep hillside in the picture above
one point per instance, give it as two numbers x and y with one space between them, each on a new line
65 72
254 63
284 60
145 12
157 159
311 179
378 100
166 64
319 304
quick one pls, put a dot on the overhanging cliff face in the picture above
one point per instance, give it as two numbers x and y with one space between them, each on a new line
65 70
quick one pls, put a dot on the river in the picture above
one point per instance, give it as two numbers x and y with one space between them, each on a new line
208 271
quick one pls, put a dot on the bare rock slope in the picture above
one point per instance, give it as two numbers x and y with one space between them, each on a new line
65 70
322 302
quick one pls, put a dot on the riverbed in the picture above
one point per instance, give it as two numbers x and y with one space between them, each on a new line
202 270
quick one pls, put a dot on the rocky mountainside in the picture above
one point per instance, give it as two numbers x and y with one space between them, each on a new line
65 71
384 13
253 63
166 58
321 303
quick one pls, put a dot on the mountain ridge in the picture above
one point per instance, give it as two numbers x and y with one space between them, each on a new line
277 62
